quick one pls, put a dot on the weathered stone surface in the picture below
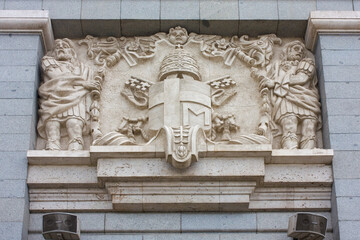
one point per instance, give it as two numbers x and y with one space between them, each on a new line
209 168
11 230
346 164
142 9
19 42
180 10
21 5
110 10
296 173
295 9
142 222
16 165
57 176
219 10
177 121
349 229
12 209
12 188
218 222
181 236
67 9
338 42
252 10
348 206
347 187
334 5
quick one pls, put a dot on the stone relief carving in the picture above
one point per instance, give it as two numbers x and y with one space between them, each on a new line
133 126
184 101
224 124
136 91
69 98
291 82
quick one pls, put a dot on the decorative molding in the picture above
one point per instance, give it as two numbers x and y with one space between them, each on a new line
231 115
143 184
271 156
261 199
330 22
28 21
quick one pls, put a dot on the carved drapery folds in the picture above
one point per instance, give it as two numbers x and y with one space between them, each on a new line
180 102
69 98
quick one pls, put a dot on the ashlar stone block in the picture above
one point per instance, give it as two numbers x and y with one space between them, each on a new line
180 10
258 10
90 9
65 9
142 222
218 222
219 10
141 9
334 5
295 10
23 5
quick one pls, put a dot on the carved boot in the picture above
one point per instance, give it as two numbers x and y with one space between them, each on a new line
308 142
76 144
289 141
52 145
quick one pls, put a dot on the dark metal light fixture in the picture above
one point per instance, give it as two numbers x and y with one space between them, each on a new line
61 226
307 226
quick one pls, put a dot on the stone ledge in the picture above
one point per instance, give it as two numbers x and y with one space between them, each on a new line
271 156
153 169
330 22
302 156
43 157
28 21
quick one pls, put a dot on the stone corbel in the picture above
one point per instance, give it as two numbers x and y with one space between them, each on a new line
181 147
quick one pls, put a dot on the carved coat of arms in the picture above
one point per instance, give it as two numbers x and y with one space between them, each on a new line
181 106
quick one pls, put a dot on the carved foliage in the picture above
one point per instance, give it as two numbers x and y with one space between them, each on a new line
133 126
289 98
108 52
224 124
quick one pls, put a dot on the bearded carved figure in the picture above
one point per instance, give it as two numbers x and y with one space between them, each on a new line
183 91
67 98
294 96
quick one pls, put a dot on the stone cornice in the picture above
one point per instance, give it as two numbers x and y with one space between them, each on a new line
330 22
28 21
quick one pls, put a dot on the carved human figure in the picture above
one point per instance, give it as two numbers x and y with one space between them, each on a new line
295 97
178 35
65 99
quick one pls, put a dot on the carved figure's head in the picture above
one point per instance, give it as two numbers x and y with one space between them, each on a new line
63 50
295 51
178 35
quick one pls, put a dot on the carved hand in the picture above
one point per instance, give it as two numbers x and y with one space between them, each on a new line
92 85
299 78
266 82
